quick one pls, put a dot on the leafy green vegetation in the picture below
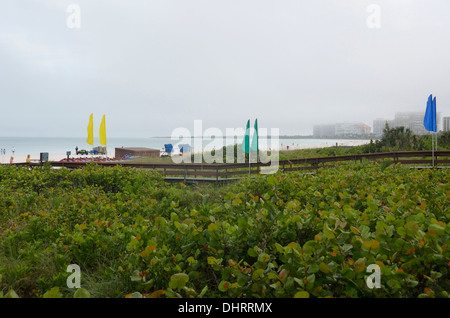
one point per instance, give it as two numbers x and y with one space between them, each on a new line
399 138
282 235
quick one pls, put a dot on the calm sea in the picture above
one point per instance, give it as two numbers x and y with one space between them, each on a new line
34 145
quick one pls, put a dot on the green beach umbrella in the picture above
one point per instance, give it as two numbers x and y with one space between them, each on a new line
255 137
246 141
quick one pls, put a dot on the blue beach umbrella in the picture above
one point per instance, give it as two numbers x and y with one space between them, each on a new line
429 120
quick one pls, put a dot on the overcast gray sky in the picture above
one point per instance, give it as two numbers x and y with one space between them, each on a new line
154 65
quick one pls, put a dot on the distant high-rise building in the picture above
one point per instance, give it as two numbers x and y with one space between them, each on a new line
446 124
390 122
378 126
363 130
348 129
324 131
341 130
414 121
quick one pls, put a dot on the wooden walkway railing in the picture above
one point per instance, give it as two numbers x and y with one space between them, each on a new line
231 171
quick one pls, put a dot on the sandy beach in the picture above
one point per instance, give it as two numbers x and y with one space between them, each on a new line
18 158
286 145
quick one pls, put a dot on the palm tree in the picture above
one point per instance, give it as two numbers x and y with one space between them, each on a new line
398 138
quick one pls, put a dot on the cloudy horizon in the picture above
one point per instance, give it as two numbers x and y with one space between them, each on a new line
153 66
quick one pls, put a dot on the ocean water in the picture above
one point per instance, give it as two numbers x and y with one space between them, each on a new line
59 145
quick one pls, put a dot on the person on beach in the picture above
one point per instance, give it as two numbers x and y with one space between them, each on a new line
13 150
76 150
28 159
11 161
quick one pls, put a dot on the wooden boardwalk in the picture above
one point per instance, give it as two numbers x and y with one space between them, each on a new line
199 180
225 172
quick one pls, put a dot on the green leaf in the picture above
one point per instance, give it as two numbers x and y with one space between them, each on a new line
401 231
360 264
203 292
299 282
81 293
173 215
301 294
365 231
224 285
328 232
11 294
390 218
272 180
412 283
412 226
372 244
251 252
309 247
242 280
313 268
324 268
257 274
311 279
237 201
393 283
354 230
53 293
178 281
135 277
160 221
293 246
190 292
212 227
272 275
346 247
279 248
436 227
192 261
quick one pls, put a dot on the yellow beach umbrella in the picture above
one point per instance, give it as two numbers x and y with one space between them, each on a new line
90 130
102 132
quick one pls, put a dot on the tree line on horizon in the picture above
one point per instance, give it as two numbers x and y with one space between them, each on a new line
403 139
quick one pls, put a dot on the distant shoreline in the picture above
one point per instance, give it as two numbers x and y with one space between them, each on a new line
61 145
224 137
287 137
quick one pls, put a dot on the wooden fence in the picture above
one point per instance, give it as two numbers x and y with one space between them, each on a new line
232 171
